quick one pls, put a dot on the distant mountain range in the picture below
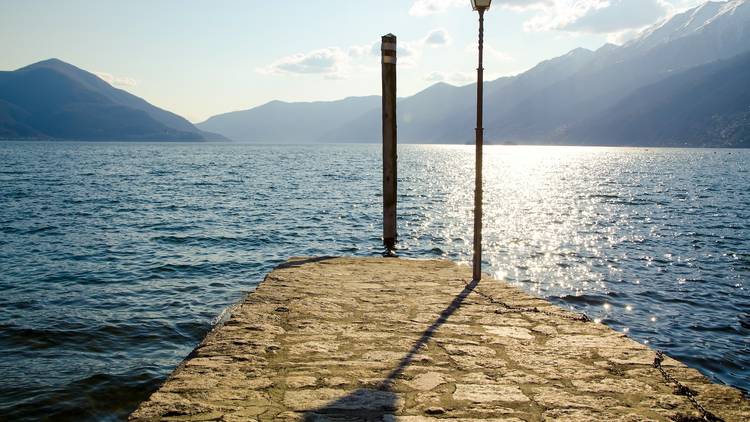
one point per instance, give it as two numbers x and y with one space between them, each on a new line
55 100
683 82
279 121
680 83
707 105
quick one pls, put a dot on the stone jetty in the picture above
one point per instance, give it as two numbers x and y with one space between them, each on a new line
371 339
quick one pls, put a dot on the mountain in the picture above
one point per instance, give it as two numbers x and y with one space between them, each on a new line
724 22
53 99
435 114
705 106
422 118
282 122
431 105
545 104
613 74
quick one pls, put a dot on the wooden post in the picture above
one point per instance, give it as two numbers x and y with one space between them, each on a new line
388 50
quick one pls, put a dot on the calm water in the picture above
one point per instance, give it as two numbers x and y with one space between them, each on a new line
116 259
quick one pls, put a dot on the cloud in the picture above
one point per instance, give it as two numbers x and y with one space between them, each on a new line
491 55
525 4
431 7
597 16
340 63
410 52
618 19
435 77
615 18
359 51
437 38
620 15
456 78
462 78
560 14
117 81
325 61
490 52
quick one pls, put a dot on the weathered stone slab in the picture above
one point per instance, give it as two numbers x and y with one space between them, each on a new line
344 339
483 393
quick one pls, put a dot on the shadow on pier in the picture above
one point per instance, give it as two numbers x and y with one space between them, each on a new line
374 404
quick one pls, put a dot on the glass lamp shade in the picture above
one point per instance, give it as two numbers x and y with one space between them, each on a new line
480 4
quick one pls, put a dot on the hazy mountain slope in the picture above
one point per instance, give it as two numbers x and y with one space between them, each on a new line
540 104
537 106
53 99
679 26
42 102
281 122
444 113
705 106
415 117
542 117
12 124
727 19
119 96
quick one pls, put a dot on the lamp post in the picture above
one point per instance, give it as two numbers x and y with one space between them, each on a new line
480 6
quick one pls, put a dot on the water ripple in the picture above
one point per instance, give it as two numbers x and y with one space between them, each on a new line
116 259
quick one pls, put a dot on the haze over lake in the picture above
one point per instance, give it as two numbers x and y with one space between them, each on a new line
118 258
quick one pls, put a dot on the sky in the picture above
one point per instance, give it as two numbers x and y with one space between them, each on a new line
202 58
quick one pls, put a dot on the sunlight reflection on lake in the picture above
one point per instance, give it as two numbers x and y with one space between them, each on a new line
116 258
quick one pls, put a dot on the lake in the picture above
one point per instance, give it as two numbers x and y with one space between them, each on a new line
116 259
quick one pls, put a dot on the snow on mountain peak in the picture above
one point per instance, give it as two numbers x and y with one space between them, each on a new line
733 13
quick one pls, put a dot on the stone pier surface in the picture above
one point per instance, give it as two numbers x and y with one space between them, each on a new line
371 339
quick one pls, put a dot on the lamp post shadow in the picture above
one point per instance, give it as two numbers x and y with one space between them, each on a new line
381 401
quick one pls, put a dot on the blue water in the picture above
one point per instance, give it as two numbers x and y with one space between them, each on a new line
116 259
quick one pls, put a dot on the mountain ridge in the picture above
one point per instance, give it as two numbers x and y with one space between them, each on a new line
540 106
52 99
288 122
706 102
551 103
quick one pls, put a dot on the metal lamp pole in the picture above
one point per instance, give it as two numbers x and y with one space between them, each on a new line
481 7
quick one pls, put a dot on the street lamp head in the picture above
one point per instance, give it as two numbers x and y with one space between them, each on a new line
480 4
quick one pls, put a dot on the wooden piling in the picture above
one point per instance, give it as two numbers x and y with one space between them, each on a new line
388 50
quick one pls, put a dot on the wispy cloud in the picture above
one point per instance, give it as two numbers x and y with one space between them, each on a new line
434 7
490 52
431 7
596 16
410 52
456 78
340 63
463 78
615 18
325 61
437 38
435 77
117 81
